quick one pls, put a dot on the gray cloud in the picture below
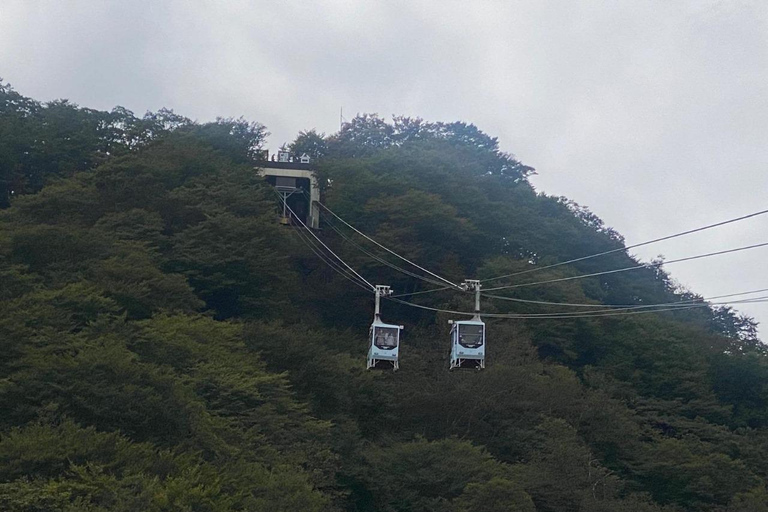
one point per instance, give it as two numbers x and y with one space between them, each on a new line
654 114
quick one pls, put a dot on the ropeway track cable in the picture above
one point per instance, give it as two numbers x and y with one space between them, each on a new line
374 256
324 258
372 288
350 226
674 306
625 269
378 258
645 265
669 306
543 316
612 251
422 292
755 300
683 304
594 274
620 309
334 266
624 309
617 306
620 249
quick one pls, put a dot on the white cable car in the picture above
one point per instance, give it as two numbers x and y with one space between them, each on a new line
468 337
384 339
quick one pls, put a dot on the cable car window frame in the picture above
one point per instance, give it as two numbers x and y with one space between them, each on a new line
481 334
385 330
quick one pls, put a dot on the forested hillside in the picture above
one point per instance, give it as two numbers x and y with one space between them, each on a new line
167 345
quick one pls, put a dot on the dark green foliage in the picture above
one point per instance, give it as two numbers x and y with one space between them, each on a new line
309 143
42 142
239 139
494 495
66 467
423 475
165 345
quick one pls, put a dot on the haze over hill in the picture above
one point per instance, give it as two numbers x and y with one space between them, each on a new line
168 345
653 114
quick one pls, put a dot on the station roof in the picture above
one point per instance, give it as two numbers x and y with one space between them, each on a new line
284 165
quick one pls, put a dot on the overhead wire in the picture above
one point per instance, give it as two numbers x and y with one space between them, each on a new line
583 258
421 292
370 254
620 249
314 248
608 309
378 258
605 307
383 261
350 226
625 269
334 266
581 315
625 306
650 307
285 202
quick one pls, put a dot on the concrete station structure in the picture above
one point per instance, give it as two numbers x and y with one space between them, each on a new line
296 183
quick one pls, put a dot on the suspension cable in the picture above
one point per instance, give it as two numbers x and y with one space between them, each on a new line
623 306
317 250
432 290
644 265
377 258
660 307
620 249
334 266
450 283
373 288
582 315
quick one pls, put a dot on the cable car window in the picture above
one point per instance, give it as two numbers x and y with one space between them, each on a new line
385 337
470 336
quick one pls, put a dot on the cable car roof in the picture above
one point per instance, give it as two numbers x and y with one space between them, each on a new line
379 323
469 322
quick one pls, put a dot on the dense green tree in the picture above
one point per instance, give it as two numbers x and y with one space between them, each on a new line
69 468
309 143
424 476
165 345
495 495
239 139
41 142
755 500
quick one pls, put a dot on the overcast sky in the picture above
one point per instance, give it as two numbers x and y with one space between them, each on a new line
653 114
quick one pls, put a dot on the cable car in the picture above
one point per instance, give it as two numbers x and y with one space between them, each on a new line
468 344
384 346
468 336
384 339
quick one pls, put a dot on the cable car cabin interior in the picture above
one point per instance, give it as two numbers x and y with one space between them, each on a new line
384 346
468 344
295 192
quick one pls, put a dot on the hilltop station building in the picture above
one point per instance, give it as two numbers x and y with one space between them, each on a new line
295 181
